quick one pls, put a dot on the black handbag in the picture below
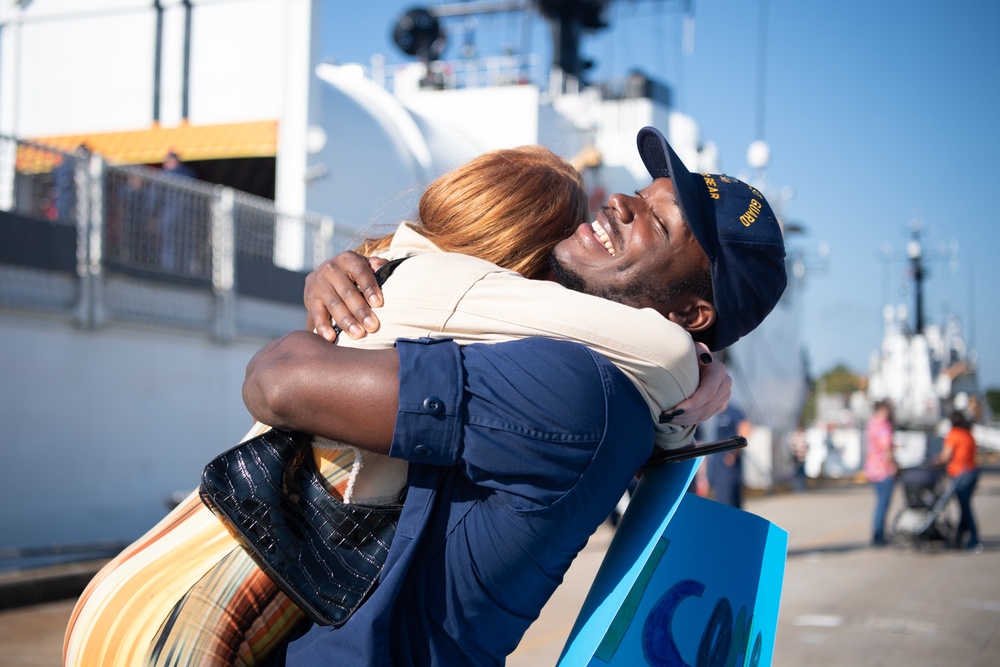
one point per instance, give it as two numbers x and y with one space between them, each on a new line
324 554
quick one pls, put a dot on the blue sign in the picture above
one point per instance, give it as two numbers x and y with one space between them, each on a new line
686 582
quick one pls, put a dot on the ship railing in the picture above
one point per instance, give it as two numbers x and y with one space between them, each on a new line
504 70
137 244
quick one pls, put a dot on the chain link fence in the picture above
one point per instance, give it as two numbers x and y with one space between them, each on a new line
135 244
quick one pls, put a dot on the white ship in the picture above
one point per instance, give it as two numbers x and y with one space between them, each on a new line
924 369
122 372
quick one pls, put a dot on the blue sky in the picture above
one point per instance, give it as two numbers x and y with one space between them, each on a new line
877 113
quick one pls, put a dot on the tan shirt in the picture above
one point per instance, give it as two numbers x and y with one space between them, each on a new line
447 295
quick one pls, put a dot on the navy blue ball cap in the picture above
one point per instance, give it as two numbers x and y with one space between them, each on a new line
736 228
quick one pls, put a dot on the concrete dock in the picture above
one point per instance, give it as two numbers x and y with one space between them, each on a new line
844 604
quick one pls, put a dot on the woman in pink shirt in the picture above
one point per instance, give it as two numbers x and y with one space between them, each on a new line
880 466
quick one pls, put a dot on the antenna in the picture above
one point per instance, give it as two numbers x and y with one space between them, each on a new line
917 255
569 20
915 252
761 69
972 301
759 153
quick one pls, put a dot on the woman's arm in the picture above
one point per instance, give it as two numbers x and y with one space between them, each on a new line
300 382
344 289
947 452
711 397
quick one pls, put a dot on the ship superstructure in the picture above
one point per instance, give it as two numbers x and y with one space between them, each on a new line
302 159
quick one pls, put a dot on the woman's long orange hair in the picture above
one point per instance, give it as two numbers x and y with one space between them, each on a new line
509 206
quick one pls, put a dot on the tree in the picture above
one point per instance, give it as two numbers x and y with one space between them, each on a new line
842 380
838 380
993 400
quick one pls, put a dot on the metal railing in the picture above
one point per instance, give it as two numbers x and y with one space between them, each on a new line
507 70
150 246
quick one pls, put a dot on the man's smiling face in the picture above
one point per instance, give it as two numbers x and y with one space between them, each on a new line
639 251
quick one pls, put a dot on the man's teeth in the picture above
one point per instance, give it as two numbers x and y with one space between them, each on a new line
602 236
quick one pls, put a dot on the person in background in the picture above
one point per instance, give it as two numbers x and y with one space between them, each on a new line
975 410
173 228
63 200
725 471
880 466
798 448
959 457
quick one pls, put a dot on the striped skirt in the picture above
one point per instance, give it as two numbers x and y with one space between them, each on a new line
186 594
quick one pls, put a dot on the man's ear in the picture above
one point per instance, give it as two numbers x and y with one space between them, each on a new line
696 315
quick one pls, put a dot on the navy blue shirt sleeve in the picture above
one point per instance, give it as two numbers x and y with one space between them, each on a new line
526 418
429 418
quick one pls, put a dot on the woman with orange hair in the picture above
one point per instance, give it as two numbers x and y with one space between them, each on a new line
509 207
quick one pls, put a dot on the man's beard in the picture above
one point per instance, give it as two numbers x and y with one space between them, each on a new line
637 293
633 293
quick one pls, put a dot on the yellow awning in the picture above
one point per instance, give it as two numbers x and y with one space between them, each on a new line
150 146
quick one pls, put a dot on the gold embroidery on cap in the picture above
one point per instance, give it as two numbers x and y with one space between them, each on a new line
753 211
713 187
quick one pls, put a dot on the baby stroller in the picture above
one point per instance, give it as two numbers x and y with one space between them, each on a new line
929 514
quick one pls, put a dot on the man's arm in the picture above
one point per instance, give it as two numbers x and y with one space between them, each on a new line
300 382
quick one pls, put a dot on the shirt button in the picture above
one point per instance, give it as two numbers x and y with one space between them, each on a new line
433 405
422 450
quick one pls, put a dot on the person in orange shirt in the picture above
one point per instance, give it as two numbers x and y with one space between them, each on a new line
959 455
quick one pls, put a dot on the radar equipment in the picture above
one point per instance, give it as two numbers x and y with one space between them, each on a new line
418 33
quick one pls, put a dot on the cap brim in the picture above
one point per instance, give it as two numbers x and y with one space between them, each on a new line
739 233
662 162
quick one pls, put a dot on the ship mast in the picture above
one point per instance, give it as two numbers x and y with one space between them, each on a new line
569 21
919 271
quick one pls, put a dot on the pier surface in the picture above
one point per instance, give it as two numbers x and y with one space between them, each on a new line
844 604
